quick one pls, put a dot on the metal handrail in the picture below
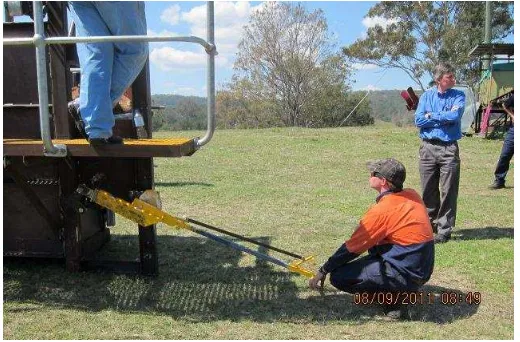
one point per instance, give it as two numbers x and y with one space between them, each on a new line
211 78
40 42
104 39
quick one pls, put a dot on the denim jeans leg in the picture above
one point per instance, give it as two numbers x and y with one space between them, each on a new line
508 149
96 60
430 174
129 58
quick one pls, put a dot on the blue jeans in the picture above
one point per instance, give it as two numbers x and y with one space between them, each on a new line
107 69
508 149
370 274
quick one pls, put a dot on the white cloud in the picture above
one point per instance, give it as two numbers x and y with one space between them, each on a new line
168 59
163 33
230 18
369 22
364 66
171 15
370 87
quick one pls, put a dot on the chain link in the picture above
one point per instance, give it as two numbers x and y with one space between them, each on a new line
43 182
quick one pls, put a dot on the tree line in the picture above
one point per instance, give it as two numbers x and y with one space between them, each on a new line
189 112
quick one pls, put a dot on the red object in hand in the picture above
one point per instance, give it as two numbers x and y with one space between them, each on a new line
411 99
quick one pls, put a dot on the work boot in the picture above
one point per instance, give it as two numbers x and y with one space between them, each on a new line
73 109
113 140
441 238
497 185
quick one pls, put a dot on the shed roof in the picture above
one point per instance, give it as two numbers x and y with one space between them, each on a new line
492 49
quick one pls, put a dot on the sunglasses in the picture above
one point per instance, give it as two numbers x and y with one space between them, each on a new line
375 174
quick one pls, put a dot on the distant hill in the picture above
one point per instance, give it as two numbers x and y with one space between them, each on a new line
170 100
386 105
389 106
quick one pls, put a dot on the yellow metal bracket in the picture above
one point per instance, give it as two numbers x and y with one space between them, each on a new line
295 266
138 211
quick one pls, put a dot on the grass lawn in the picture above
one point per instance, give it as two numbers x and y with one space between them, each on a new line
303 190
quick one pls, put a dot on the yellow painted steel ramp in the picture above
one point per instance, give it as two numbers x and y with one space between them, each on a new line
131 148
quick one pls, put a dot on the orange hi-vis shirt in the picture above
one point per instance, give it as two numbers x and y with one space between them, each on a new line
398 229
399 218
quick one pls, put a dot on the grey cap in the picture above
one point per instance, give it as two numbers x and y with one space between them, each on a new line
391 169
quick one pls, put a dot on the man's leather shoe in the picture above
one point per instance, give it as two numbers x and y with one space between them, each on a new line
113 140
497 185
73 109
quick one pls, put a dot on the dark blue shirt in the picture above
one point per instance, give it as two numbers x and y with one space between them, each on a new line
446 111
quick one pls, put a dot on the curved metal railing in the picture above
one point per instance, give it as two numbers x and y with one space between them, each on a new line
40 42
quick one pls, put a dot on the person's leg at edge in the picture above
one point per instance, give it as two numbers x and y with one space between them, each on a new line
129 58
505 158
96 61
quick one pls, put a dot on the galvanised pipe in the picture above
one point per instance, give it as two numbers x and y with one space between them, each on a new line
210 76
108 39
49 149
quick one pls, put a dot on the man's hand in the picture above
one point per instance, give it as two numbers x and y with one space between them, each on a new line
319 278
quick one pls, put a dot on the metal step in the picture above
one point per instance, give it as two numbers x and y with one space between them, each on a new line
131 148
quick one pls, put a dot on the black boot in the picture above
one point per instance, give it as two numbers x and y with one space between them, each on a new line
497 185
113 140
73 109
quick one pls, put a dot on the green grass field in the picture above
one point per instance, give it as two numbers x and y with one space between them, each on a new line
303 190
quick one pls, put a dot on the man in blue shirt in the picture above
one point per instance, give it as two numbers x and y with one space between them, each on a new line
438 118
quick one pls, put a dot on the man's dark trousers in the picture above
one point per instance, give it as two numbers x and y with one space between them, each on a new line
439 167
369 274
508 150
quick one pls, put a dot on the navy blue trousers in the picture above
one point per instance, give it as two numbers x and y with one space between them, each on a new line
508 149
370 274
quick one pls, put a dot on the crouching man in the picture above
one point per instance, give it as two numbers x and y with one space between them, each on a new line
398 236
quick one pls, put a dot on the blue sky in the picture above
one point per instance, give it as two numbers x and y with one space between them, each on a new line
180 68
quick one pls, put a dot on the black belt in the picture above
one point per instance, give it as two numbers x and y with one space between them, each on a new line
439 142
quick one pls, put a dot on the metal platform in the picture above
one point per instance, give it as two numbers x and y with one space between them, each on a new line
132 148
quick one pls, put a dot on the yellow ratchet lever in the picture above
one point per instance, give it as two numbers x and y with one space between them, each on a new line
146 215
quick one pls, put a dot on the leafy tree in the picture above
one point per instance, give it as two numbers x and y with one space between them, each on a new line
180 112
191 115
425 33
285 70
157 120
242 106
